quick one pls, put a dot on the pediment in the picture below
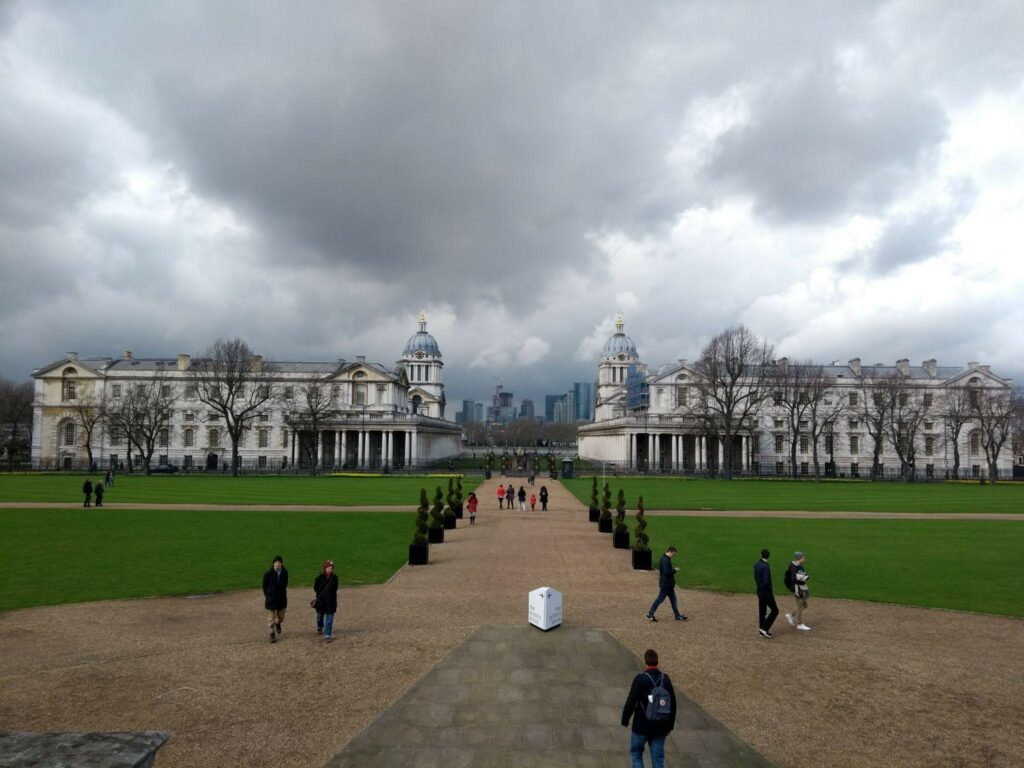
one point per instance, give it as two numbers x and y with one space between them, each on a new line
987 379
57 368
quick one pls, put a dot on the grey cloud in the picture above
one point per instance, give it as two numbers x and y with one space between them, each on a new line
810 152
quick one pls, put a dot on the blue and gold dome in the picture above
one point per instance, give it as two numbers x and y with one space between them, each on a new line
421 341
619 343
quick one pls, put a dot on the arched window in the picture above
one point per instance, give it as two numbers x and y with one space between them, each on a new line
975 440
69 433
69 384
214 438
190 438
417 403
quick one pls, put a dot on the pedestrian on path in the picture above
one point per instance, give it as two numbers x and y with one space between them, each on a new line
522 499
326 601
543 498
275 596
510 496
650 695
767 608
666 586
99 494
471 502
110 477
533 502
501 497
87 490
531 479
796 582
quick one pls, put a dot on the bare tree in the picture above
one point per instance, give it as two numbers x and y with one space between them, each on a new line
315 406
235 383
874 406
824 410
797 388
16 417
153 403
957 413
1017 441
995 411
907 412
89 415
733 379
122 422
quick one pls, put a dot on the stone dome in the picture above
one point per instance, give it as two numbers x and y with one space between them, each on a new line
619 343
421 341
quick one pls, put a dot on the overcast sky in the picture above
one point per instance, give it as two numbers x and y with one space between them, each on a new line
846 179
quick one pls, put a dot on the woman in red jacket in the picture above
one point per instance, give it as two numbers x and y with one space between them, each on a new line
471 502
501 497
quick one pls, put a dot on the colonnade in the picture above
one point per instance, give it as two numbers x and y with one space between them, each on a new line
706 452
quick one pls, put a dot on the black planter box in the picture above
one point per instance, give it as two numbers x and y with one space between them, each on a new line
435 535
595 514
419 554
449 523
620 540
458 511
604 526
641 560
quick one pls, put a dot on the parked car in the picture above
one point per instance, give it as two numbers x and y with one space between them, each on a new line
163 469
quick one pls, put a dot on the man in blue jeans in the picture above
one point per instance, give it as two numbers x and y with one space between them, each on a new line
666 586
646 731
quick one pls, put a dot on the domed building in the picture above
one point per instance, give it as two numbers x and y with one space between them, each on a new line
617 355
343 414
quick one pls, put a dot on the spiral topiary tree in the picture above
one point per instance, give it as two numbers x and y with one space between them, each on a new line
420 537
595 512
641 541
458 496
437 510
449 509
620 513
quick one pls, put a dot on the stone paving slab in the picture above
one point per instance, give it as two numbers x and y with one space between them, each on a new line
79 750
517 696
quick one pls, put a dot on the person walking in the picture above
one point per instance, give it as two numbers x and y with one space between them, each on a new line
471 502
796 582
767 609
87 490
501 497
533 502
275 596
543 498
110 477
326 600
522 499
650 695
98 490
510 496
666 586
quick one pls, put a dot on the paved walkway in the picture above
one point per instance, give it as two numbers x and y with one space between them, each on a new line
517 696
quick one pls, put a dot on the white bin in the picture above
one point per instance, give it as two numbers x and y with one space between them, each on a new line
545 608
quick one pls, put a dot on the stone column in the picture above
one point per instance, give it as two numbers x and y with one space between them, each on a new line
652 456
408 447
682 452
341 449
320 449
361 449
702 451
295 448
746 449
414 448
675 452
387 448
721 454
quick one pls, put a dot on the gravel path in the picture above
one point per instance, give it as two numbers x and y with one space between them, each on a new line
870 685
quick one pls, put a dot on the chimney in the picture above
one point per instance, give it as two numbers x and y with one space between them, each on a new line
127 354
930 368
783 363
985 368
972 366
855 366
71 355
360 358
903 366
184 361
682 361
257 362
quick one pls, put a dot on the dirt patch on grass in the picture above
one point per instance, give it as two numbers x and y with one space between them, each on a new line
869 685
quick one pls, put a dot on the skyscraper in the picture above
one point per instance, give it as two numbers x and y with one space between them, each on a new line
583 393
526 409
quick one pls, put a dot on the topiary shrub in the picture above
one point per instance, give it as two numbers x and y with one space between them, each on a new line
420 537
437 510
594 510
606 503
641 541
620 513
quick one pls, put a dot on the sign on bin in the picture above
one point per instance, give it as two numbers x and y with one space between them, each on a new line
545 608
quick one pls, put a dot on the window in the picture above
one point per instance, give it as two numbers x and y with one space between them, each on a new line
927 400
803 468
190 416
264 417
115 391
162 459
855 470
780 468
165 390
929 471
804 398
187 461
973 394
289 393
115 436
163 438
213 438
69 434
804 443
140 389
975 444
212 416
903 398
190 438
976 471
191 392
853 424
335 392
779 423
262 462
681 396
779 444
929 425
777 397
853 399
360 394
829 444
264 438
755 444
263 392
805 424
69 389
854 444
284 437
929 446
904 443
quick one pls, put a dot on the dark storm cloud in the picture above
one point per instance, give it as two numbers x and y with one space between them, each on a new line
811 151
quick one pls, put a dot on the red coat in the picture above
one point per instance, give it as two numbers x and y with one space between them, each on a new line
501 491
533 499
471 505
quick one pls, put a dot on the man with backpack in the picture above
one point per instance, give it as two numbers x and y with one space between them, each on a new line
651 704
796 582
767 608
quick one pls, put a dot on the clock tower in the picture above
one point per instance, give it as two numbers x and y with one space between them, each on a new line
423 366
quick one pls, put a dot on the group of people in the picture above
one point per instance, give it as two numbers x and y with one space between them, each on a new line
324 601
89 489
510 495
767 609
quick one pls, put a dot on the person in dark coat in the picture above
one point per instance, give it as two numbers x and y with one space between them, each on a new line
522 499
767 609
326 601
510 496
543 498
98 490
275 595
666 586
646 731
87 490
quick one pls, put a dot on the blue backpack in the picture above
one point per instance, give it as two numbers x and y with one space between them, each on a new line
659 702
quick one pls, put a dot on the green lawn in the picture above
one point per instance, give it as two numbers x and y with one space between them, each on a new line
66 556
676 493
218 489
971 565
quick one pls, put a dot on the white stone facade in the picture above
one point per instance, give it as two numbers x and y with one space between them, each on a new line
665 436
379 418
